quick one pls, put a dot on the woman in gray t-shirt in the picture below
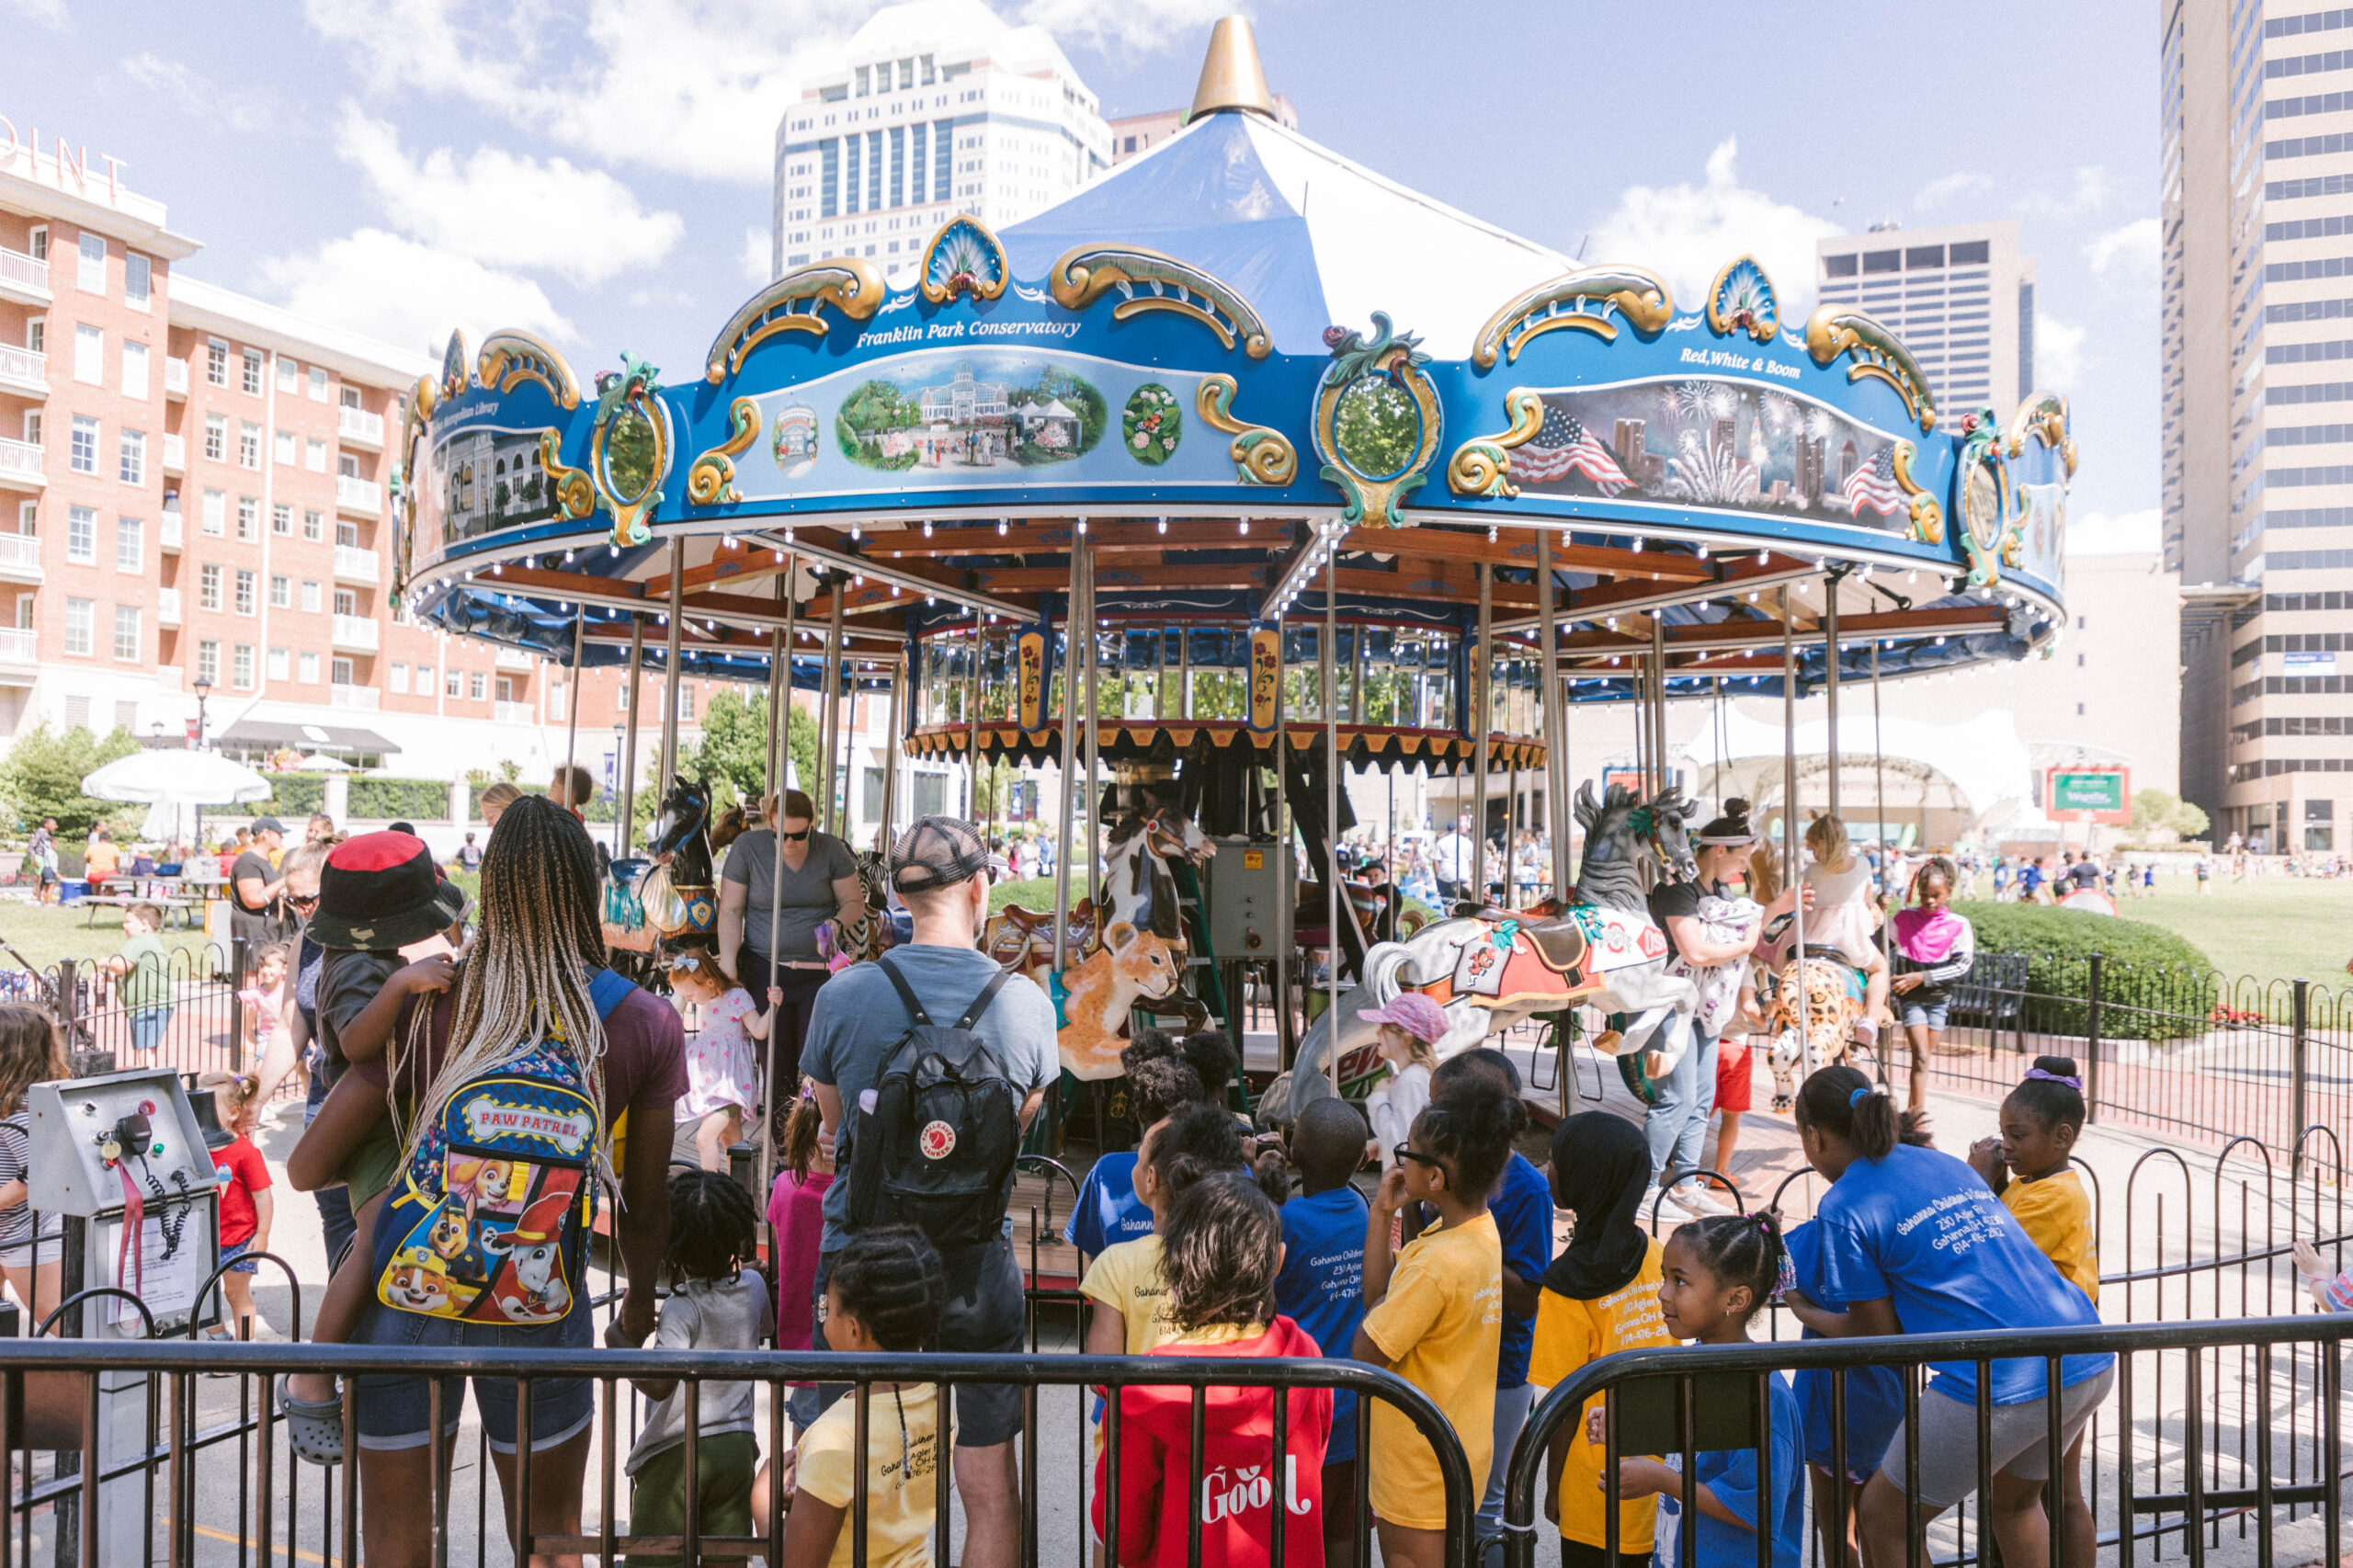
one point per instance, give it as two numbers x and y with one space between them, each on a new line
818 884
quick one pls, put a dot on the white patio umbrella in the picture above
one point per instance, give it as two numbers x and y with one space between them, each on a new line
319 762
171 781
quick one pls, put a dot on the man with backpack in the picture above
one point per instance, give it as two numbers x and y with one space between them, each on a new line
928 1065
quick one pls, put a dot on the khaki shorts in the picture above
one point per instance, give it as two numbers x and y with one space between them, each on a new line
2021 1440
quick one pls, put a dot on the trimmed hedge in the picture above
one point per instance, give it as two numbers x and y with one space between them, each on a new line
398 799
2154 985
291 795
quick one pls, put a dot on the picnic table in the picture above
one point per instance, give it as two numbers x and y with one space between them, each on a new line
181 894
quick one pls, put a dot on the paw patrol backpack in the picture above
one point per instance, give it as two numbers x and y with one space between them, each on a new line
489 1221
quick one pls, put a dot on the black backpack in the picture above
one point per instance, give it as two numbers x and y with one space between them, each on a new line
938 1147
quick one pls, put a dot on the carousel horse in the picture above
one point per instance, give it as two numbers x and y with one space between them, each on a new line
679 891
1492 969
1137 884
1023 939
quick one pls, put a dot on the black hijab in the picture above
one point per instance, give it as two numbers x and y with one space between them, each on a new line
1600 1167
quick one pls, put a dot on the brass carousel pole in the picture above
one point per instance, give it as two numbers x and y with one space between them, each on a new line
1482 713
1790 803
1830 680
1553 715
833 763
779 693
1286 898
1095 883
1332 803
572 708
1879 754
1070 751
1658 701
886 828
671 682
774 1093
626 765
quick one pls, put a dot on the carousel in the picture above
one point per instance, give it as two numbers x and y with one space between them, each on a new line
1241 467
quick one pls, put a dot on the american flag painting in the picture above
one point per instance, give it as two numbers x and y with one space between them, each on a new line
1562 445
1872 487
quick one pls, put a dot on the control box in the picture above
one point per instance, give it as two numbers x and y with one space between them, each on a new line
88 1133
1243 886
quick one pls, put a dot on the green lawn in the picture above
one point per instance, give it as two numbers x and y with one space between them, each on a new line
42 935
2270 927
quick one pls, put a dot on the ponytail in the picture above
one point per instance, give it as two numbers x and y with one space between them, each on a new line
1842 1101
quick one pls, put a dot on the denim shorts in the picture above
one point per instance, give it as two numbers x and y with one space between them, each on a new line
232 1255
147 1027
397 1412
1930 1015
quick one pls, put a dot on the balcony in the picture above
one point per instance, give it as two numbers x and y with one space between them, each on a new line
363 496
167 606
176 379
20 658
23 279
174 453
515 713
356 564
511 659
168 535
19 558
362 699
23 373
354 634
359 428
20 466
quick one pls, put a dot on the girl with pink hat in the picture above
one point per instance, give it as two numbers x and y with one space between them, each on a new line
1411 1027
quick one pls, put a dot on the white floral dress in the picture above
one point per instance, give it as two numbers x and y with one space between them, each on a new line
719 1059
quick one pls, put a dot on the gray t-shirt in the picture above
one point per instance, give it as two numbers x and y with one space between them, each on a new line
859 1019
708 1314
807 901
349 980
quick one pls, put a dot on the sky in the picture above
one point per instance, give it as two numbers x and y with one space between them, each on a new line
598 170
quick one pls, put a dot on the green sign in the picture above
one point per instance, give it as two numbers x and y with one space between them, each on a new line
2086 791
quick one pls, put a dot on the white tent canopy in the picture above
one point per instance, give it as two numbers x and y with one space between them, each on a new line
1982 755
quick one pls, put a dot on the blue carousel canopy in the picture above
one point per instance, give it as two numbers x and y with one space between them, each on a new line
1249 372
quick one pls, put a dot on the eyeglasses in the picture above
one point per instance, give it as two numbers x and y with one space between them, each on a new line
1406 1152
794 837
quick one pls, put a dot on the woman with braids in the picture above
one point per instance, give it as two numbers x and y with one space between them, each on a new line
714 1304
1220 1256
1915 1242
530 996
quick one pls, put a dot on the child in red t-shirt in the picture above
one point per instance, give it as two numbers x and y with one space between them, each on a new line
246 1204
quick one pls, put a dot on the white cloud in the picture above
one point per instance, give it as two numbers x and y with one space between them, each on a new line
180 84
505 210
1686 232
759 257
48 13
2128 253
691 87
2098 533
407 293
1938 192
1139 25
2058 352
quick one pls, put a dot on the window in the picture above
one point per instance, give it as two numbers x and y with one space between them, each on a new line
425 681
281 591
138 279
216 439
555 702
207 588
309 666
621 698
453 684
24 612
350 396
79 616
126 633
345 602
129 538
36 333
318 384
89 354
247 577
216 511
347 533
281 520
253 372
216 363
314 525
248 518
85 457
90 270
281 665
29 517
1976 253
32 427
314 456
249 446
341 671
207 662
134 371
309 598
241 667
346 465
130 459
36 242
287 443
289 375
81 535
479 686
400 677
506 688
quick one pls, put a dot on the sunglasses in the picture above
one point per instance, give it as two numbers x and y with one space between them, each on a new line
794 837
303 902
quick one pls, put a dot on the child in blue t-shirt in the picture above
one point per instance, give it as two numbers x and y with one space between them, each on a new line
1163 1074
1321 1286
1718 1274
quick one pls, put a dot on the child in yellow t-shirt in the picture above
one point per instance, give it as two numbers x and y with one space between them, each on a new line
1434 1311
1124 1282
1601 1296
2029 1167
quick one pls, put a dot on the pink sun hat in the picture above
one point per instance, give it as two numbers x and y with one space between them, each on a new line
1412 1012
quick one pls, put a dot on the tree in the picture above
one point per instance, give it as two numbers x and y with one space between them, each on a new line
732 753
43 772
2160 815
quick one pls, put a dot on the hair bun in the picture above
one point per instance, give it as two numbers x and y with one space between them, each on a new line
2057 1066
1735 807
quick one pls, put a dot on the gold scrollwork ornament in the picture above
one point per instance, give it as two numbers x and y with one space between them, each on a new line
1261 455
575 498
1378 422
1482 466
1927 516
711 478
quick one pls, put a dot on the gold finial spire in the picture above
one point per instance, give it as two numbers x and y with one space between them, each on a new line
1230 76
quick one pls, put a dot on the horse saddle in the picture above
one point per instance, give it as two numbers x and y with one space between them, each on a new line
1561 943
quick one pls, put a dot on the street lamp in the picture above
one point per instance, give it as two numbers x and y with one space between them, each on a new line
203 692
